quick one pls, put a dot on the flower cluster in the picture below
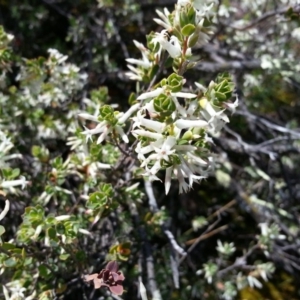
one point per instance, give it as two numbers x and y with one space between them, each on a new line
108 121
8 179
109 277
187 26
172 123
173 136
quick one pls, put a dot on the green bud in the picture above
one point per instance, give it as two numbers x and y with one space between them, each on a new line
191 15
177 33
191 65
153 71
164 105
175 82
220 96
212 84
132 99
188 135
193 40
202 102
107 113
183 18
164 82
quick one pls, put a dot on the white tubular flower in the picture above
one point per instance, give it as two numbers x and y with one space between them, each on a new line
140 46
141 151
62 218
254 282
197 160
151 135
88 117
173 46
12 183
183 3
84 231
57 55
203 9
135 74
216 119
145 63
185 148
151 173
164 20
192 108
150 108
182 124
162 149
159 91
121 133
184 95
37 232
232 106
129 112
151 94
183 186
156 126
105 128
6 144
179 108
189 170
5 210
168 178
145 52
200 87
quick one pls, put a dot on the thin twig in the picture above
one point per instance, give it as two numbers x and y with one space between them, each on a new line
202 237
154 208
206 234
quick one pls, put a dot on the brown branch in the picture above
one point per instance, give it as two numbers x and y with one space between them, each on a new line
206 236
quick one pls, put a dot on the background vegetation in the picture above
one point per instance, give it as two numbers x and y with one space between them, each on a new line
234 236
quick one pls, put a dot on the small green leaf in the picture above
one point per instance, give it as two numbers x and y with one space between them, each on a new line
220 96
9 263
35 150
28 261
8 246
51 233
193 40
183 18
132 98
44 271
23 253
188 29
153 71
223 178
60 228
15 173
64 256
2 230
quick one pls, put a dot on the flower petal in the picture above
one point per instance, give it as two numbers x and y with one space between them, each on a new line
117 289
90 277
112 266
121 276
98 283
